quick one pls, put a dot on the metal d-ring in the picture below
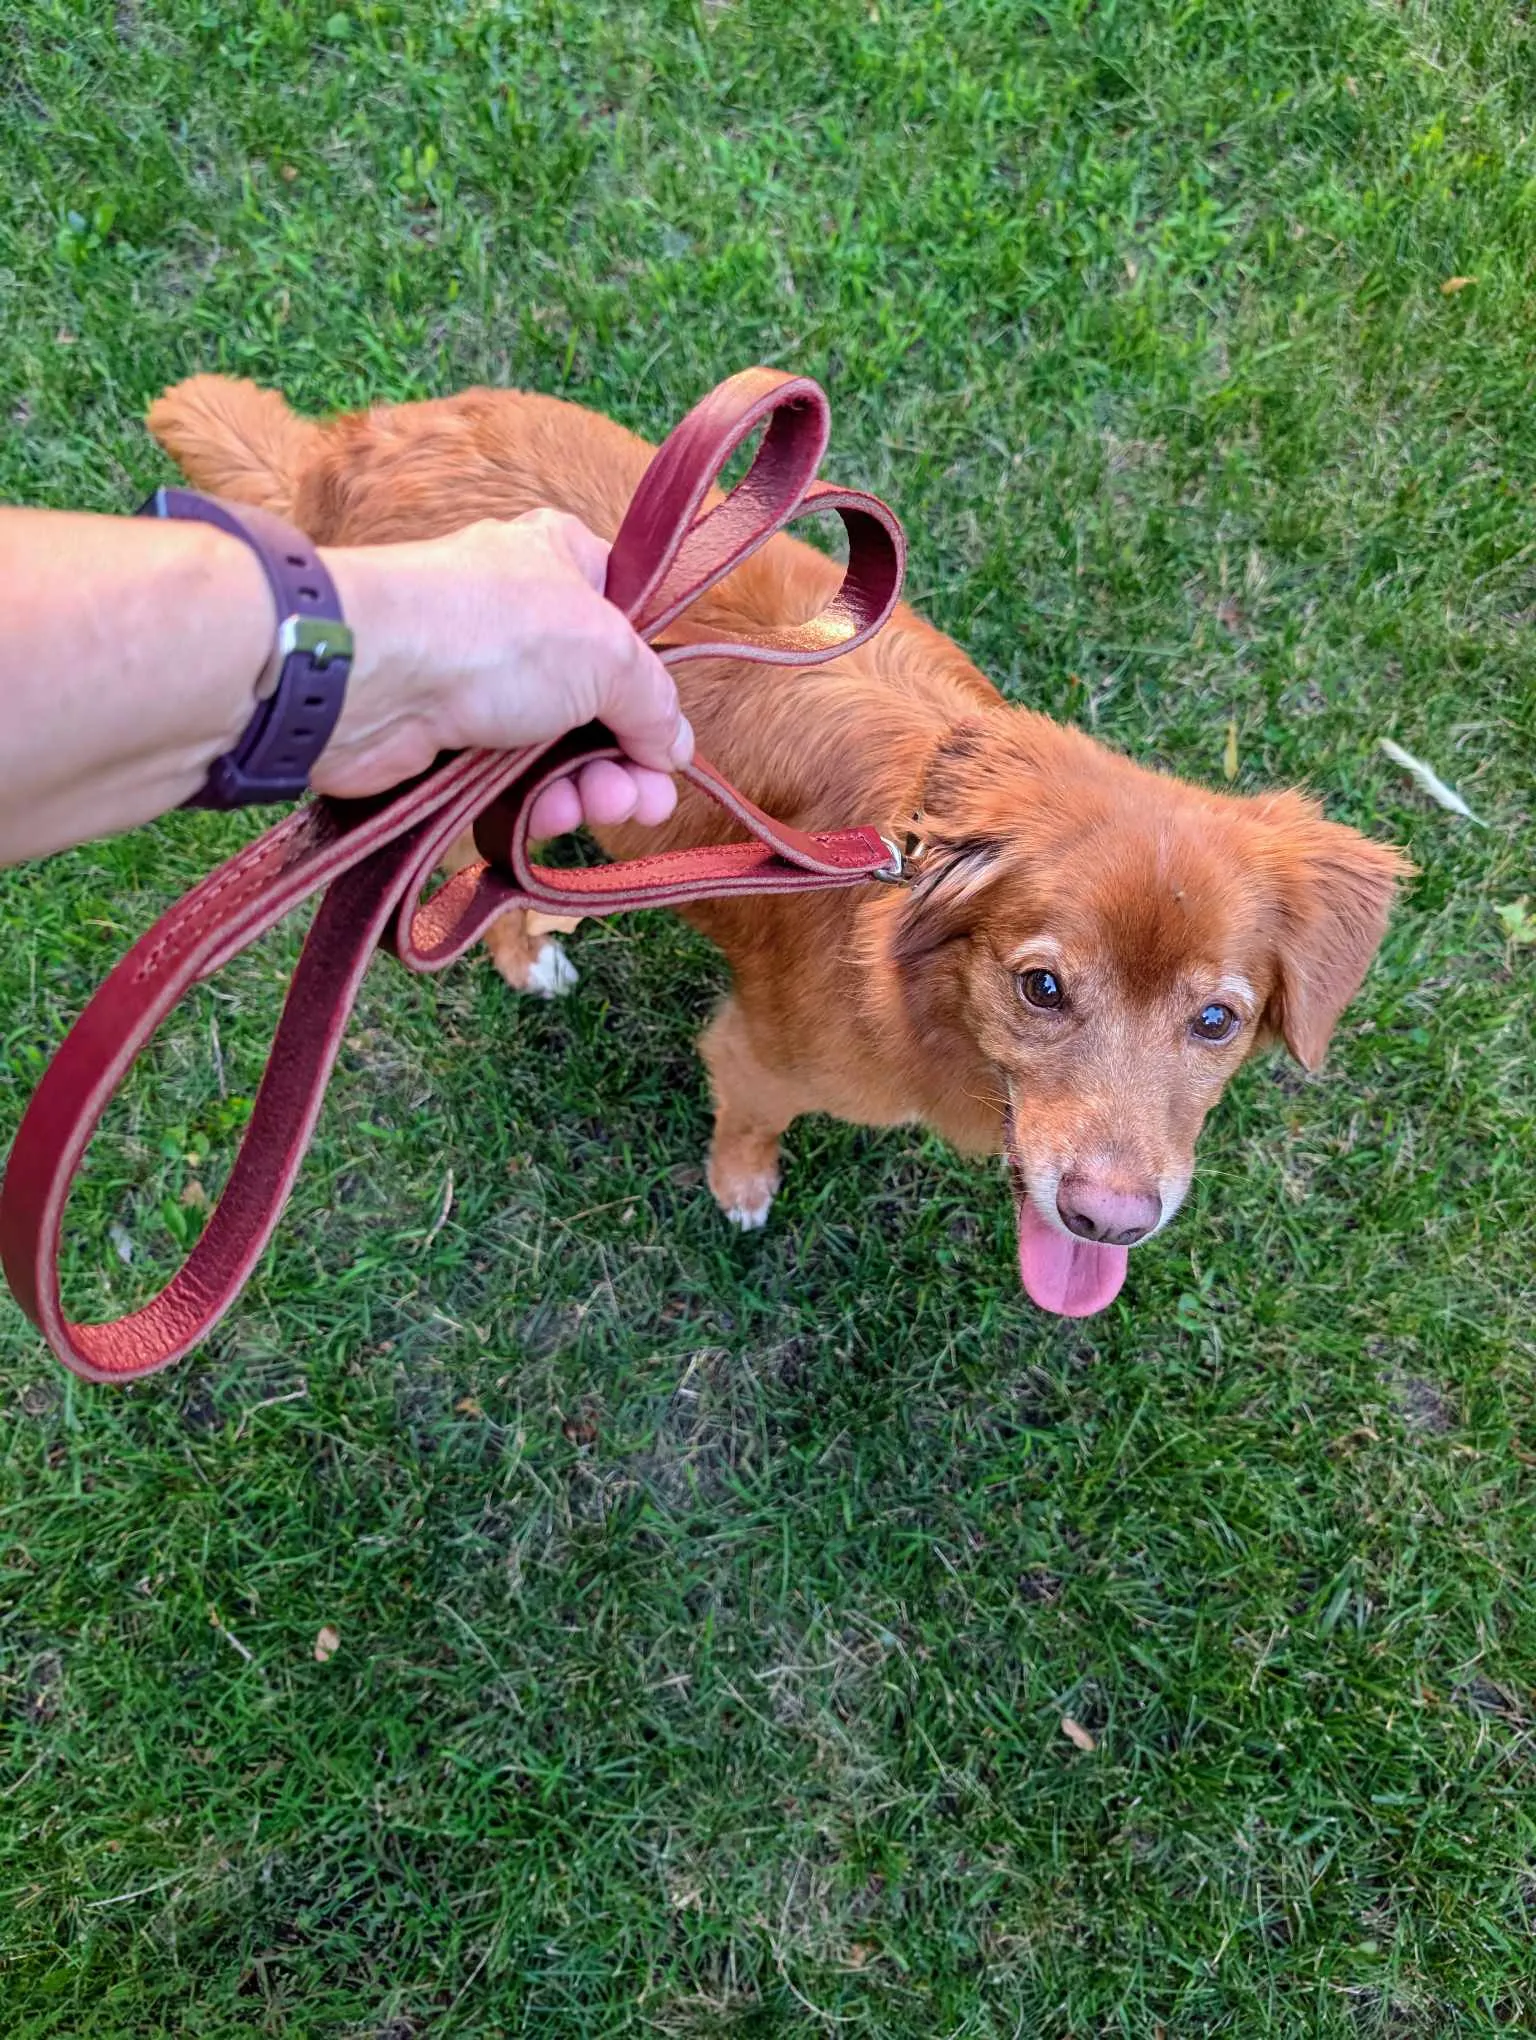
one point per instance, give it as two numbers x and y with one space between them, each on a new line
905 857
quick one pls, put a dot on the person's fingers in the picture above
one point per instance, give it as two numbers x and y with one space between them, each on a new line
655 796
556 811
564 806
608 792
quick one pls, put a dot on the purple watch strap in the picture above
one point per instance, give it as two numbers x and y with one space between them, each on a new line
300 694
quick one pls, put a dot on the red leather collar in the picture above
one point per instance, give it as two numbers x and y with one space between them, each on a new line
373 860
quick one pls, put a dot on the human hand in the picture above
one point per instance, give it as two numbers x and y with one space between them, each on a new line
496 637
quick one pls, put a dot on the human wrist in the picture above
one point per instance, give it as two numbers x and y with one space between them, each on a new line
299 692
210 573
394 712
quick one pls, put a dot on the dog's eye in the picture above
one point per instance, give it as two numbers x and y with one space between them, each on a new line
1042 988
1214 1023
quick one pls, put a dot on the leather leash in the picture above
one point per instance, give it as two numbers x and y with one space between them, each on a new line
374 859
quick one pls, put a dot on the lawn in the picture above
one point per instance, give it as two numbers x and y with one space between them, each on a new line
707 1609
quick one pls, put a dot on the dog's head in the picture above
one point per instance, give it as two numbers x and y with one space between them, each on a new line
1116 943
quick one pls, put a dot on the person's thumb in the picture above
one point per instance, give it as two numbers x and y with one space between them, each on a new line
637 699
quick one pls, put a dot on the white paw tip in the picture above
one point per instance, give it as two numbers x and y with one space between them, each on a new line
551 974
749 1217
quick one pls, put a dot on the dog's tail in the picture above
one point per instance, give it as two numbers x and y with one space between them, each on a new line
236 440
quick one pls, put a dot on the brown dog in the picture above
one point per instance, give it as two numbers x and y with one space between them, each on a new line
1090 952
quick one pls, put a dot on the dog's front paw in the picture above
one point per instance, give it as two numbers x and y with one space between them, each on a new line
746 1199
527 958
529 963
551 974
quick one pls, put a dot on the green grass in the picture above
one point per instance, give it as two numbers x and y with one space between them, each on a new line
708 1608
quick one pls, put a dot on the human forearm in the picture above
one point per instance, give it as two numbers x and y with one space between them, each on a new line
128 658
130 653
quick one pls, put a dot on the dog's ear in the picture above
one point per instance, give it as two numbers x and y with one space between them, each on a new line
951 877
1333 890
959 850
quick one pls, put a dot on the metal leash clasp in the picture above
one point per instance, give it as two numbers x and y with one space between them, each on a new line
906 856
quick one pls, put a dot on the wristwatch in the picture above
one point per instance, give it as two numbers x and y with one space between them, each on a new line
300 689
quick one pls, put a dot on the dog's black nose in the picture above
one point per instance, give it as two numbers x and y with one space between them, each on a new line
1097 1210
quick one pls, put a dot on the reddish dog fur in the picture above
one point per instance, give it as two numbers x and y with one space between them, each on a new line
1147 901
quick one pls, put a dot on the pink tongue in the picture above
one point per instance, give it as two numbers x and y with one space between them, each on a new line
1071 1277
